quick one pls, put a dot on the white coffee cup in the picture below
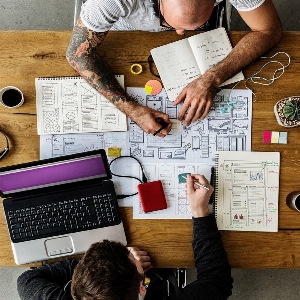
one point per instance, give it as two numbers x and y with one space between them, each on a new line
11 97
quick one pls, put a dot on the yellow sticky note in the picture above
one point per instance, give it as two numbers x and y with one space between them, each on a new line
114 152
275 137
148 89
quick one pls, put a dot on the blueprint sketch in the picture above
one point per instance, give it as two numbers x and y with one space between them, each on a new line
71 105
175 192
226 128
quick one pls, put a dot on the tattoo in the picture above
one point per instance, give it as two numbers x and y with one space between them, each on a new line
81 55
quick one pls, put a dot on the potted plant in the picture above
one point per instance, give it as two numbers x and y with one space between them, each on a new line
287 111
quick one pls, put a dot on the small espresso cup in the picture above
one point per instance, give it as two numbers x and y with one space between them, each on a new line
11 96
293 200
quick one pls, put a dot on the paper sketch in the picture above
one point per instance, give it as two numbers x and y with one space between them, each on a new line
71 105
226 128
247 191
175 191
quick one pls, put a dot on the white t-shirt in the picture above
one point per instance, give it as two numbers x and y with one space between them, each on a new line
103 15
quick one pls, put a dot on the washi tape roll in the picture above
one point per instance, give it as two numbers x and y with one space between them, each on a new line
136 69
153 87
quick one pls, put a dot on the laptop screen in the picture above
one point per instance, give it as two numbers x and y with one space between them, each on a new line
53 173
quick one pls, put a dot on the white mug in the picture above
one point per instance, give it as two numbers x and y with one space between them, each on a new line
11 96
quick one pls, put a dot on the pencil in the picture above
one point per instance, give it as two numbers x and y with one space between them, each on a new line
197 183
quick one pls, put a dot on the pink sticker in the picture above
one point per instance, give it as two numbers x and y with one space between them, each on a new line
153 87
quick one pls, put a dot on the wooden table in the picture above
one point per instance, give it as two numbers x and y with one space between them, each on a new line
26 55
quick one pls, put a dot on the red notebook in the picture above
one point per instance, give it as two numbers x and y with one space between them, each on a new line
152 196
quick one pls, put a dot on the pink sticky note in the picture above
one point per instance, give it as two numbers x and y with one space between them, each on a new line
267 135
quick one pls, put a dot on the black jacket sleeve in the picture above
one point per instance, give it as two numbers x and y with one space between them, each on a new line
214 281
49 282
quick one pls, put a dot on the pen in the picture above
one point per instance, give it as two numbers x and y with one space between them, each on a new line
212 183
197 183
163 124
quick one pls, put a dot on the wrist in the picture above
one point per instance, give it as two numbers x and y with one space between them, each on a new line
200 212
213 78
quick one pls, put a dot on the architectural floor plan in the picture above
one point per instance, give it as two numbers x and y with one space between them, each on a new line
185 150
226 128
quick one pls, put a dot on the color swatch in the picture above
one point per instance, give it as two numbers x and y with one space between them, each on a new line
274 137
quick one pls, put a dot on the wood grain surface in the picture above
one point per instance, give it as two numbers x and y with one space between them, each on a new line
26 55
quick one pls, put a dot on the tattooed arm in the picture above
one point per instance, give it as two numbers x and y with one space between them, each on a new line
265 32
82 57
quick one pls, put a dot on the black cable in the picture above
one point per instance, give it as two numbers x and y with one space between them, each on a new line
4 151
144 178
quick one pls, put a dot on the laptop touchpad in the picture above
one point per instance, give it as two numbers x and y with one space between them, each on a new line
59 246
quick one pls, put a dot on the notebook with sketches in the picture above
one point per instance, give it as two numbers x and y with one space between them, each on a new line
71 105
180 62
246 190
60 206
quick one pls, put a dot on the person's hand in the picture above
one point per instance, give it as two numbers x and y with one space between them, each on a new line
142 257
197 98
198 197
145 117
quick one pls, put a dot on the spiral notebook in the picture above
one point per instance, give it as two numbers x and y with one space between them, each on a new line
71 105
247 190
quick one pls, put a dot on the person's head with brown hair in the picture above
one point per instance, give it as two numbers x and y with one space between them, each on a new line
107 271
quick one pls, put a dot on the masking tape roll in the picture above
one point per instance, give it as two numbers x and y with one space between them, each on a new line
136 69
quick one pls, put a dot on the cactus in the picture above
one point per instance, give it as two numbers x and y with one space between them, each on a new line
291 110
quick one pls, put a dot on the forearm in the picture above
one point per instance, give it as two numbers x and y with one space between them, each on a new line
210 256
98 75
248 49
81 55
198 96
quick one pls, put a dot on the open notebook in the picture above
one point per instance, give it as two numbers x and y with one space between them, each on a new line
180 62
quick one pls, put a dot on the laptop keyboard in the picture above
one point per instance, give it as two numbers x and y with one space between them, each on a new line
73 215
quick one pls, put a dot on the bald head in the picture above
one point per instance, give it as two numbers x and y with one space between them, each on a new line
186 14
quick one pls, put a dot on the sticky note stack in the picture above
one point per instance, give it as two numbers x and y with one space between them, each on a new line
114 152
274 137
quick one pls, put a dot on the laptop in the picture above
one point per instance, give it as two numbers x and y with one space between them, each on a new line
60 206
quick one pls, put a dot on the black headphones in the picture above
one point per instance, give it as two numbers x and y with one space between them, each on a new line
6 149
